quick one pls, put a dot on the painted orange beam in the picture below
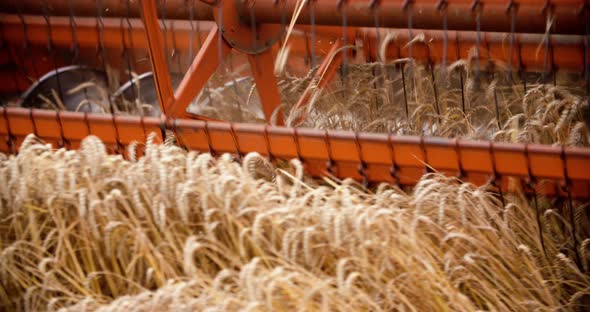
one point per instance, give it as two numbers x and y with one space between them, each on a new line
149 15
379 154
262 66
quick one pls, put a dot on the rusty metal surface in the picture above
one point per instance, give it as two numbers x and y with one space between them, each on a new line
370 156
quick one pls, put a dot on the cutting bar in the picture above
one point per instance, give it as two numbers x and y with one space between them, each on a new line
370 157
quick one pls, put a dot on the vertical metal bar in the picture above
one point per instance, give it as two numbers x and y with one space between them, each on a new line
220 52
126 58
165 32
191 38
344 38
157 58
311 4
75 44
531 183
408 8
262 66
435 90
568 190
443 9
477 6
344 7
497 109
548 11
175 53
512 8
73 28
101 50
130 55
50 49
587 60
378 71
405 93
25 38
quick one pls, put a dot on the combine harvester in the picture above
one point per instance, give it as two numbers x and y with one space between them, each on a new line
63 62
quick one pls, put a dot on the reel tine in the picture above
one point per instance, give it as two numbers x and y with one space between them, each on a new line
407 7
101 51
73 28
26 46
567 186
191 10
548 10
175 52
254 32
477 7
405 94
165 32
129 54
512 9
50 48
531 184
342 5
587 62
330 164
442 7
461 82
75 44
311 4
496 179
377 17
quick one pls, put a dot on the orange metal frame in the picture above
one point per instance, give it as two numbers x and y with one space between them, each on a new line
207 61
363 156
357 13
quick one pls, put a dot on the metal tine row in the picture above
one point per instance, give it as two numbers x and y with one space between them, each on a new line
369 156
442 5
510 60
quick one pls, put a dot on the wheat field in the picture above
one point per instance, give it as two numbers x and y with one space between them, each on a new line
176 230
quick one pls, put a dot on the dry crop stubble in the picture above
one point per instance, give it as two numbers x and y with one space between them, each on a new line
83 230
